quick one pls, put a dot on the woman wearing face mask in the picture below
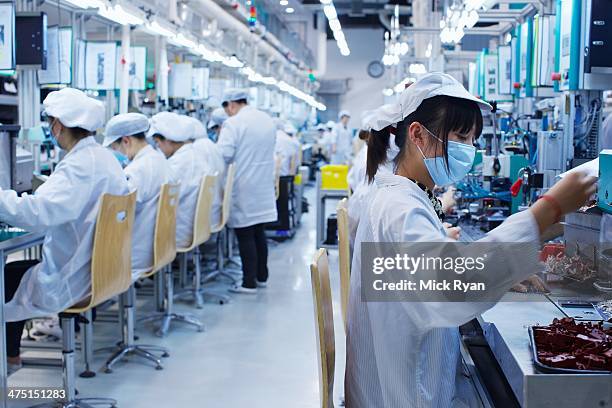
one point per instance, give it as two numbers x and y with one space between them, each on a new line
65 208
406 354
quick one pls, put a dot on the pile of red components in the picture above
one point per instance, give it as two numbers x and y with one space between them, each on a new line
578 346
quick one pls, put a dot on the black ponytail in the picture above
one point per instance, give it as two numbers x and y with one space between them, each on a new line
439 114
378 144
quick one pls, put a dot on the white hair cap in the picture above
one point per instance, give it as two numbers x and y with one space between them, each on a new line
344 113
170 125
125 124
289 129
430 85
198 131
74 109
217 117
330 124
234 94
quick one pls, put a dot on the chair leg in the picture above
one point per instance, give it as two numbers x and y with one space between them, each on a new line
128 346
87 346
168 314
197 292
68 373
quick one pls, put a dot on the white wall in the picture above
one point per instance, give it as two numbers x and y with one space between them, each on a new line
366 46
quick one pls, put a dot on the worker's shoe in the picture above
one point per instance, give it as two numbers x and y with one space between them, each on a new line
262 284
241 289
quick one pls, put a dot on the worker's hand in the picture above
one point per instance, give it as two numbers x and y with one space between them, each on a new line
567 195
573 191
448 199
452 232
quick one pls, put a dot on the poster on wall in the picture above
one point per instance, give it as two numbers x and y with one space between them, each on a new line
199 83
179 80
491 78
137 68
59 57
100 65
7 36
504 62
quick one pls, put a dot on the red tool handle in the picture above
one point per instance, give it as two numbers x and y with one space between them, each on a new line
516 187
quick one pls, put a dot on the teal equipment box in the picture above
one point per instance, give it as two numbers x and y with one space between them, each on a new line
604 194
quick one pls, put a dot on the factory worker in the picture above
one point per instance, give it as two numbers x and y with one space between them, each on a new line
247 139
406 354
173 134
342 137
286 147
65 208
217 117
210 153
146 172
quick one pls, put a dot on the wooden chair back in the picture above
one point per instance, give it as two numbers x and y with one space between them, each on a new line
164 239
344 255
201 219
111 259
324 326
227 198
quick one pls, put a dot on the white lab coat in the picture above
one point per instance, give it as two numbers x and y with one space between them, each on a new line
247 139
65 207
342 137
145 174
406 354
287 149
208 151
357 172
187 169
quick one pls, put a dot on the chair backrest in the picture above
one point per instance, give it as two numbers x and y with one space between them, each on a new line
227 198
164 239
111 259
201 219
344 255
324 326
277 167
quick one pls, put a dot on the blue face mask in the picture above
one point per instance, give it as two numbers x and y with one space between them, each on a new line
460 160
53 138
122 158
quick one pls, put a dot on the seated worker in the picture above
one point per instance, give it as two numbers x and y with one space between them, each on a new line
209 152
286 147
146 172
65 208
172 135
217 117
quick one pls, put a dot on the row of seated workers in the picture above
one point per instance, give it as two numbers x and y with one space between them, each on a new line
167 149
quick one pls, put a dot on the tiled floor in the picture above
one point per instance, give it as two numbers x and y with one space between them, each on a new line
257 351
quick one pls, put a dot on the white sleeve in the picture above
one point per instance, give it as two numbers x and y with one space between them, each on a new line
59 200
227 142
507 264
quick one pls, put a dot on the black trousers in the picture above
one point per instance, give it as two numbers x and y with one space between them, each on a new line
13 273
253 248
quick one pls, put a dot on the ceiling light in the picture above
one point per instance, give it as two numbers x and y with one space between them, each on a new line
334 25
289 10
284 3
387 92
183 41
157 28
122 14
86 3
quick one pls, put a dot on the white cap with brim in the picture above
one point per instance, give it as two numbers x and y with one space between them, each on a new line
74 109
217 117
430 85
330 124
234 94
321 127
344 113
289 129
125 124
171 126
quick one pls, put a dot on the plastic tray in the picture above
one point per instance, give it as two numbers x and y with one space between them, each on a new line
555 370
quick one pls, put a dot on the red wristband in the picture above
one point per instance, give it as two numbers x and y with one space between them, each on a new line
553 201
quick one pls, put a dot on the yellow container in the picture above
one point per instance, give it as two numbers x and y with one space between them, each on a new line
334 177
297 180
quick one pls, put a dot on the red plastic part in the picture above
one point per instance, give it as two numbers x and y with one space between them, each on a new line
516 187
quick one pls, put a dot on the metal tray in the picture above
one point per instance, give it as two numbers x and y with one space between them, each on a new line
555 370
